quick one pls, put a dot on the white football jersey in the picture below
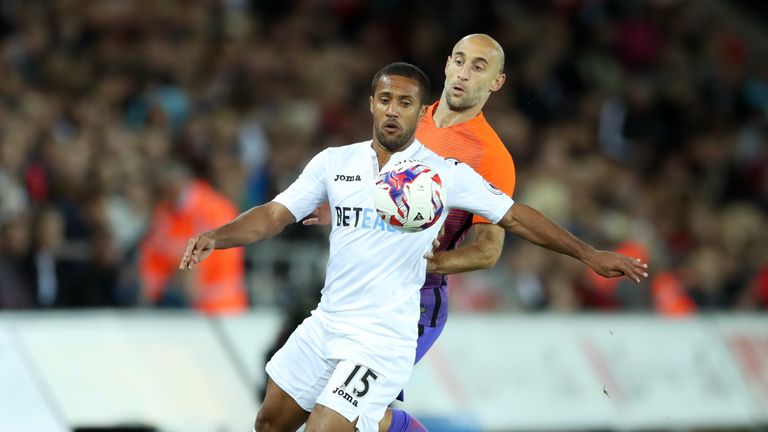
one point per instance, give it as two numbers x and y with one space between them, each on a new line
374 273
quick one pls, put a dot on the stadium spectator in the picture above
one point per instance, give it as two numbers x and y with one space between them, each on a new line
641 120
185 206
53 277
15 291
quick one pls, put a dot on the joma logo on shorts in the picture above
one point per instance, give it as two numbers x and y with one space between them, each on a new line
348 178
347 397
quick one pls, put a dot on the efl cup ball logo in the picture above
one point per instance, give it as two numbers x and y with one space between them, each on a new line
410 196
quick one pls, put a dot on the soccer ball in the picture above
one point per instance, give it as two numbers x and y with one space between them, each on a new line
409 197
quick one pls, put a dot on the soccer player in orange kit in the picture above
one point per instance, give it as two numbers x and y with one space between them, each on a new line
454 127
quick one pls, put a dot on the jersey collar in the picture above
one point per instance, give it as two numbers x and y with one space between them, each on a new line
409 153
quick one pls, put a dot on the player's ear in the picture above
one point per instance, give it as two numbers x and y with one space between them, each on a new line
498 82
370 103
422 111
447 63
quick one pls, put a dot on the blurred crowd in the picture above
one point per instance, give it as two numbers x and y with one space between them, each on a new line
127 126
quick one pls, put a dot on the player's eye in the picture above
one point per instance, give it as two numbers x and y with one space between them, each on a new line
458 62
384 100
406 103
479 67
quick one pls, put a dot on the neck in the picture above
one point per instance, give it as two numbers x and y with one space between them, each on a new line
383 154
444 116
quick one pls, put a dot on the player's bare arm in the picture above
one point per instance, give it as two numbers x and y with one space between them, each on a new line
479 251
527 223
251 226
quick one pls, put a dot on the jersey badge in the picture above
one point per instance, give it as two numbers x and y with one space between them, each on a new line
492 188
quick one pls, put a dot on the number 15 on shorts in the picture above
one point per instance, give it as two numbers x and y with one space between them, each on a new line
357 392
366 375
356 384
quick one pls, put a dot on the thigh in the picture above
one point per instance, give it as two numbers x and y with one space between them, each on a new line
427 337
280 412
300 368
325 419
355 391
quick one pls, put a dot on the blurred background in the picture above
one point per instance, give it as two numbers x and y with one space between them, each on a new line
128 126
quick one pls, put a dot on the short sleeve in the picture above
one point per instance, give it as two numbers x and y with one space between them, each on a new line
309 190
471 192
498 168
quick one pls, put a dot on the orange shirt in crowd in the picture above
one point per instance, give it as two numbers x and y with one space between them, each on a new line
669 296
218 283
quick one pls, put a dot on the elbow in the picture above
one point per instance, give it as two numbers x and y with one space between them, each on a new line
510 222
491 263
516 228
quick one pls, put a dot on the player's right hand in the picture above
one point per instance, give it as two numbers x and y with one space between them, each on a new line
198 249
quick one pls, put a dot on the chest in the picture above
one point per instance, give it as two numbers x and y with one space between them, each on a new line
350 181
458 143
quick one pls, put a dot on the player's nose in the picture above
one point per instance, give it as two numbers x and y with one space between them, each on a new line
464 72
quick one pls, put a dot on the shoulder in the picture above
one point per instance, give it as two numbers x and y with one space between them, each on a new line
495 159
496 164
347 150
427 155
341 154
447 168
489 139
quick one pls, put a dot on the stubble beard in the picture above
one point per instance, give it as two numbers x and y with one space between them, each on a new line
458 104
396 143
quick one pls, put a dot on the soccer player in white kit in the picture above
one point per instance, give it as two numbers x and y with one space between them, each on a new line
354 354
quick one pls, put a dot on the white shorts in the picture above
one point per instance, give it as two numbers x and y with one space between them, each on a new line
306 370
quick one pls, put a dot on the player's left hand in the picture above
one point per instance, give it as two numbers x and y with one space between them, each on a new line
321 216
612 264
431 253
432 264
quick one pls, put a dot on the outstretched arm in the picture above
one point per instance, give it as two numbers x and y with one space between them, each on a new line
251 226
480 250
527 223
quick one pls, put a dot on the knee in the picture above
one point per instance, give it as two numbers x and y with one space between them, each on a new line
266 422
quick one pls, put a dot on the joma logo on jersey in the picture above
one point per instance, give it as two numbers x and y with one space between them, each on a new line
347 397
347 178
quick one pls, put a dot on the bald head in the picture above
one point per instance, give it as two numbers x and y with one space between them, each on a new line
480 40
474 70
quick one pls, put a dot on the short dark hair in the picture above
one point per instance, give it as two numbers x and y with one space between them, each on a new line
404 70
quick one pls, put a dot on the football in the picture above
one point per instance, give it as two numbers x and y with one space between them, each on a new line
409 197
